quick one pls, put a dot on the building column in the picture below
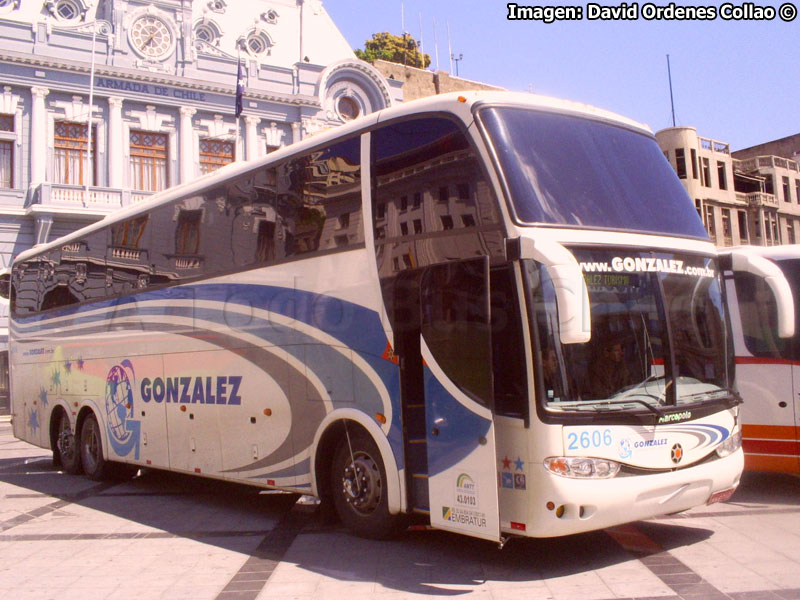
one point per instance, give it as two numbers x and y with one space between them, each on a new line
251 137
296 132
187 144
39 145
115 143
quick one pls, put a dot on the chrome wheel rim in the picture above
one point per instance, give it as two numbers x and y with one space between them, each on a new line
91 445
66 440
361 484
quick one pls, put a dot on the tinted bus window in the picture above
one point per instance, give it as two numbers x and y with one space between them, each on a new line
431 200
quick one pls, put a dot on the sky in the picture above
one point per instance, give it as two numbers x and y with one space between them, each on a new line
735 81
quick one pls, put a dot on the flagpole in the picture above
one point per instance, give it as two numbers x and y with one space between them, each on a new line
88 179
239 99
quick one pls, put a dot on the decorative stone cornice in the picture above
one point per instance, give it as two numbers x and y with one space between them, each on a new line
155 78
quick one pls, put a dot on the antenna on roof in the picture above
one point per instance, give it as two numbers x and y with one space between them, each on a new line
671 100
449 47
435 44
421 44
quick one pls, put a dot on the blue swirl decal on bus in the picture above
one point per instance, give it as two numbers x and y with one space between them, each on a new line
123 431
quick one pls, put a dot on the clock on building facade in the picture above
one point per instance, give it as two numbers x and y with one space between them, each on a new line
151 37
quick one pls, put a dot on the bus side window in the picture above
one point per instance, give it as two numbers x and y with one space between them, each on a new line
758 314
508 347
431 201
319 199
455 324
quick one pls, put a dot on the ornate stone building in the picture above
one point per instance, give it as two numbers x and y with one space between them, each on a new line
747 197
105 102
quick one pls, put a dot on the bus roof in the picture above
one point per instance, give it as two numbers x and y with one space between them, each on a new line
782 252
459 103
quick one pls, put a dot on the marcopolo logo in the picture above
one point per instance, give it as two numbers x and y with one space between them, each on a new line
220 389
675 417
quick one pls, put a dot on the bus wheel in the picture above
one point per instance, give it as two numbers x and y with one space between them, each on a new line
65 452
94 464
359 488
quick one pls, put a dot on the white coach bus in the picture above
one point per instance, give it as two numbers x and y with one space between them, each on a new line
767 365
499 312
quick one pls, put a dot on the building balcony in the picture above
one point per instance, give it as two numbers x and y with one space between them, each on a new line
758 199
714 145
752 165
64 198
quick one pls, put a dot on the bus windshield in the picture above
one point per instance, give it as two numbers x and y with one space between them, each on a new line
660 334
574 171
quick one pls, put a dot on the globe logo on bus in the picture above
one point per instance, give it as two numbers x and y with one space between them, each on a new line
119 402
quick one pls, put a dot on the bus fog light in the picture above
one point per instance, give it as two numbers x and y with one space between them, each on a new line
731 445
582 468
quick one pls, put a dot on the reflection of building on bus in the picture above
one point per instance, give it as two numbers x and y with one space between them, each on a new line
432 203
300 206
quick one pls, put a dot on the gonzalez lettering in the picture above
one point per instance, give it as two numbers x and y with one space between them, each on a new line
222 389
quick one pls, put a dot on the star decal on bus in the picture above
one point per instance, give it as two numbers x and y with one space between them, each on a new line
390 355
33 420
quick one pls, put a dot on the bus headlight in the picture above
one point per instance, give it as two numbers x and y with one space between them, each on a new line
578 467
731 445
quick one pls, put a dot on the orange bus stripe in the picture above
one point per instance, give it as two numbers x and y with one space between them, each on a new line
779 464
788 448
769 432
755 360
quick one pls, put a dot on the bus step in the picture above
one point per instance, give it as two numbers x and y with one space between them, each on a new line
419 492
417 457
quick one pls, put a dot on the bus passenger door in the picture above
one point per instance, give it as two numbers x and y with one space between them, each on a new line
455 344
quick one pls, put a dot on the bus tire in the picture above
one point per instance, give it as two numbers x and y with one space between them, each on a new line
358 482
65 450
94 463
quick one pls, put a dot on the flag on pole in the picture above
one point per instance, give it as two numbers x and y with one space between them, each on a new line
239 88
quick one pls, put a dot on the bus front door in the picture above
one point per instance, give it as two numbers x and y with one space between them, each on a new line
455 345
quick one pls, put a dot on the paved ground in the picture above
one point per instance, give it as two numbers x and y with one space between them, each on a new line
166 536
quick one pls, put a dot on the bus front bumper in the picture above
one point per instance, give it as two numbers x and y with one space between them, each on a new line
564 506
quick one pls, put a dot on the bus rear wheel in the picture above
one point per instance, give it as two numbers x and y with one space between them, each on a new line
359 488
94 463
65 452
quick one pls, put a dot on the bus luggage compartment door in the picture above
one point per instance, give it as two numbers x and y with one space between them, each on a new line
456 352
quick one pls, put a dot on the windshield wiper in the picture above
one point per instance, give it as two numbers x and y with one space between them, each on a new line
653 409
728 391
598 404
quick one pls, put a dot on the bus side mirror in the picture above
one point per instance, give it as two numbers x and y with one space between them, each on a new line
572 295
747 262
